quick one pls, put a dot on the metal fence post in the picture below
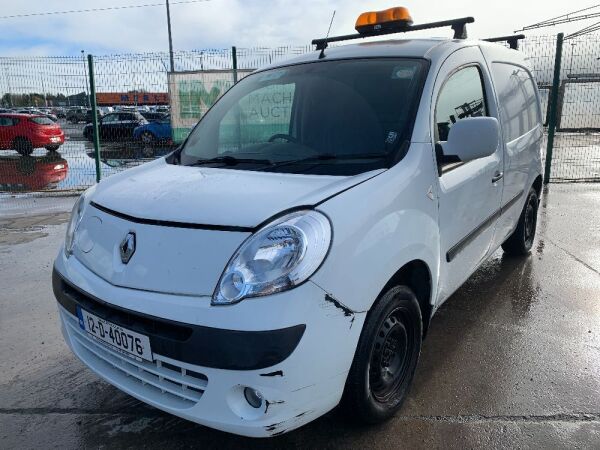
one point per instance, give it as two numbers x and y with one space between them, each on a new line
238 117
553 107
94 117
234 63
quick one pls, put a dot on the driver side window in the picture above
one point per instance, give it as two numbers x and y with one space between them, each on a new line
257 117
461 96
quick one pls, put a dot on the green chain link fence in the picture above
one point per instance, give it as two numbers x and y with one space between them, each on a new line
141 84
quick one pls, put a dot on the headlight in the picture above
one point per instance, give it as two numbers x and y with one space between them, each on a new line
76 215
278 257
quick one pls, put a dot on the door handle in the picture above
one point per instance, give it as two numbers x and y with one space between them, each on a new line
497 177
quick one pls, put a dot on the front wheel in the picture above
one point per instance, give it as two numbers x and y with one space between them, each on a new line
89 135
521 240
52 148
386 357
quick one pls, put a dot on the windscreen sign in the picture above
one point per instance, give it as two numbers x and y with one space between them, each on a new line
193 93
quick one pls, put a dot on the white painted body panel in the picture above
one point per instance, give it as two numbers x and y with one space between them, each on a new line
522 156
167 259
467 196
210 196
378 227
380 220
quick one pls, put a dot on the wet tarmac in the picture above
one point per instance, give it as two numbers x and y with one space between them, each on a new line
512 360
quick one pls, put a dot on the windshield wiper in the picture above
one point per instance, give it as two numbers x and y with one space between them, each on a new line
329 157
230 161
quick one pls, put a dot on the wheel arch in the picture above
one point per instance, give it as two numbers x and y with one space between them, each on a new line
20 138
14 144
416 275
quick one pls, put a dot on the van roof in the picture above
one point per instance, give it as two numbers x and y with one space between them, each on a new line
428 48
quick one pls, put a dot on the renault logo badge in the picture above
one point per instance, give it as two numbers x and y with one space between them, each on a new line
127 247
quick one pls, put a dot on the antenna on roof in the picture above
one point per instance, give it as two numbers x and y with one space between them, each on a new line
330 23
322 54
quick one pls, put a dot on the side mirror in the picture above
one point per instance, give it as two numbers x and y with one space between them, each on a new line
472 138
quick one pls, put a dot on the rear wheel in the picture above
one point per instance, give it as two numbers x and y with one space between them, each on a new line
386 357
23 146
521 240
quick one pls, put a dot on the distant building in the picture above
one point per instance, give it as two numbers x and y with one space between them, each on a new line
132 98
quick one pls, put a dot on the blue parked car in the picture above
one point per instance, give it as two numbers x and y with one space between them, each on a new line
155 132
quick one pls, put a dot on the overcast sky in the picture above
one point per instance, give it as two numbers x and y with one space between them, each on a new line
223 23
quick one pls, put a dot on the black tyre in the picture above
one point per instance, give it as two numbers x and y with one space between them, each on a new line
148 152
386 357
52 148
23 146
521 240
89 135
147 138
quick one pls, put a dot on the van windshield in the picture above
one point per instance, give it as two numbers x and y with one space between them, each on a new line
329 118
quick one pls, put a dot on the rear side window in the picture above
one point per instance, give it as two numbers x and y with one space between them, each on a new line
461 96
6 122
41 120
519 108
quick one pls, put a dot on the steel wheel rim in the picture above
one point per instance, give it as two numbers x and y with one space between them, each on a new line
390 356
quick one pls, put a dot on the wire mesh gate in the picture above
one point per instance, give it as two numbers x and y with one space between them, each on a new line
60 86
576 150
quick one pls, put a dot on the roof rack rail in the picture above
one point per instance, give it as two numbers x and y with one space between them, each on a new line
458 25
512 40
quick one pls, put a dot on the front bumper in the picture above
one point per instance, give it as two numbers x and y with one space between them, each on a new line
300 370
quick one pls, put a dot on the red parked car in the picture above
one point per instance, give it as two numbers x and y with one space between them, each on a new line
25 132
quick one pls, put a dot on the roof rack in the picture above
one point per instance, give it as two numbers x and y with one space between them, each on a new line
458 25
512 40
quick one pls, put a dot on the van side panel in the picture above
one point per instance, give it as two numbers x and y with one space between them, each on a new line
378 227
522 131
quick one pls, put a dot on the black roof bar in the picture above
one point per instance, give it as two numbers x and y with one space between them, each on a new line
458 25
513 40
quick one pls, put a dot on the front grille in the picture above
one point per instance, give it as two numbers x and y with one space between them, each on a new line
163 381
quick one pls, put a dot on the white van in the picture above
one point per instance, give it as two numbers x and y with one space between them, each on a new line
290 254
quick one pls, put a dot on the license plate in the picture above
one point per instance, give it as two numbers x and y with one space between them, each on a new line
121 339
54 139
